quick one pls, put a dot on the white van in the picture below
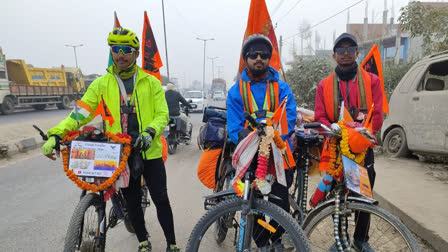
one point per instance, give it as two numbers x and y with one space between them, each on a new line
418 120
198 99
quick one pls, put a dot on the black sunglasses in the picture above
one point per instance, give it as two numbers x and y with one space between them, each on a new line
254 55
342 50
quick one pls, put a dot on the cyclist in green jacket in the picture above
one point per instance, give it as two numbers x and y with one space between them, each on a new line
137 103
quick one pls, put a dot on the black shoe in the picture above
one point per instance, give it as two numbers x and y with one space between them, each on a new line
173 248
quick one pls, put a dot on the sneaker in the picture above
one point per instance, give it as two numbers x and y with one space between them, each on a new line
173 248
363 246
144 246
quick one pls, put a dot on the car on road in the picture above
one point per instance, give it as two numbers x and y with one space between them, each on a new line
197 98
219 96
418 119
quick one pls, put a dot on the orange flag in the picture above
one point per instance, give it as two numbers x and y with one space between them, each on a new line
372 64
116 25
279 118
104 111
151 61
259 22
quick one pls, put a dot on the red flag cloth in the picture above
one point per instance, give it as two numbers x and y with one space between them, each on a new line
372 64
151 61
259 22
116 22
104 111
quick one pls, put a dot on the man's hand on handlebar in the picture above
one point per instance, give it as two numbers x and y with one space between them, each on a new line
51 144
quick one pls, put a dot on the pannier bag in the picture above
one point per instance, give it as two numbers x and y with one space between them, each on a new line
212 133
207 167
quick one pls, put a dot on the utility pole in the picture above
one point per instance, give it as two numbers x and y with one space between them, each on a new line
213 66
74 50
203 68
166 47
219 71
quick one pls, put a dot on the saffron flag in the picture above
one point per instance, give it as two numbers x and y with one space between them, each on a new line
372 64
104 111
116 25
151 61
259 22
279 118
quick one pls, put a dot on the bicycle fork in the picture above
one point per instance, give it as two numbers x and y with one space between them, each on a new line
247 220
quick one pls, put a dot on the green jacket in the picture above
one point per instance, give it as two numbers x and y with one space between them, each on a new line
151 108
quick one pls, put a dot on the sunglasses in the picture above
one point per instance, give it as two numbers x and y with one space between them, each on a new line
123 48
342 50
254 55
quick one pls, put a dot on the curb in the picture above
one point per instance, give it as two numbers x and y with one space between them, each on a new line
429 236
28 144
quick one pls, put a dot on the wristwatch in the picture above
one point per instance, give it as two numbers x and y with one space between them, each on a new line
151 131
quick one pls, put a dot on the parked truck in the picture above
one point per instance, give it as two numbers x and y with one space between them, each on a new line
22 85
218 84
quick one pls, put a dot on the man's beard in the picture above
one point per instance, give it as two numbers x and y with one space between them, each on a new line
256 72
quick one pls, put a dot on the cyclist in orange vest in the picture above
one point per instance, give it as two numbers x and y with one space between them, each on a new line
259 92
359 90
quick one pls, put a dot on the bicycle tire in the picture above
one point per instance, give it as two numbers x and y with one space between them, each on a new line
197 237
221 225
321 237
78 222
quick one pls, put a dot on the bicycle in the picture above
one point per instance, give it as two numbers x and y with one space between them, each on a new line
333 222
255 222
88 226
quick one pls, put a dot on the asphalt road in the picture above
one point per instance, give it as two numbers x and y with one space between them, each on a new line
38 201
29 115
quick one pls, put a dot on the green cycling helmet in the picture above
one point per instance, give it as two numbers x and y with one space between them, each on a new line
123 36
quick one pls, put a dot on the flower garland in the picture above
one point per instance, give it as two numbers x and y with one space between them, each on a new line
124 139
334 165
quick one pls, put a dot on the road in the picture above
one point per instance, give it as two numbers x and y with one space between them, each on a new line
38 201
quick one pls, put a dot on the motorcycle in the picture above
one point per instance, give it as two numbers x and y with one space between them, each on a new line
177 132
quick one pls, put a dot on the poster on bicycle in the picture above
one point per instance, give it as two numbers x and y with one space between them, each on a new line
356 177
94 159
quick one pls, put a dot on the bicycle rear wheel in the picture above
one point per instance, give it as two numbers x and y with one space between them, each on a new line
386 232
83 232
287 234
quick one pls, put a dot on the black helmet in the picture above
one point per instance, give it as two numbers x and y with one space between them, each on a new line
258 40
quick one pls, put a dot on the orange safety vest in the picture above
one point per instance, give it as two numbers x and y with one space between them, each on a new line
271 102
331 99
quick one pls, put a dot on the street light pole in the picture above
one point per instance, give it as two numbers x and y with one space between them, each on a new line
74 50
203 68
220 71
213 67
166 46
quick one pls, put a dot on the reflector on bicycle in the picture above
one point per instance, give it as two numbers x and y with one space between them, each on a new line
94 159
356 177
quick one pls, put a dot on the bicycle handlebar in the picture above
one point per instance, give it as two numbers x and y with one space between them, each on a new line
251 120
315 125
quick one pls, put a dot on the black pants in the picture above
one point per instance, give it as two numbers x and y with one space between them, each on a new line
260 234
363 218
155 177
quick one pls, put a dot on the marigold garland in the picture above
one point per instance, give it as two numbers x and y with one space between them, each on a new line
124 139
335 167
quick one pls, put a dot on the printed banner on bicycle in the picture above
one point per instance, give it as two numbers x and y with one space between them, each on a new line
356 177
94 159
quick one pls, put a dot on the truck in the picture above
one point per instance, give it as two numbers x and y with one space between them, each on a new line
23 85
218 84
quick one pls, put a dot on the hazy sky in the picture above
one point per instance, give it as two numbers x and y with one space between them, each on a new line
37 31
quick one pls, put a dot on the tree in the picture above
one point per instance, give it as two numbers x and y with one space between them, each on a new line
430 23
304 75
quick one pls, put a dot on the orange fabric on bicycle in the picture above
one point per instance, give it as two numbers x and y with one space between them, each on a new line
207 167
357 142
164 149
324 164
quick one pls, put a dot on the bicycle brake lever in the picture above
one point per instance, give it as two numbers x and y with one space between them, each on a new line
41 133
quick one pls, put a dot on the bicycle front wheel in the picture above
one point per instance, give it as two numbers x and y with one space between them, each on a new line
83 232
273 228
386 232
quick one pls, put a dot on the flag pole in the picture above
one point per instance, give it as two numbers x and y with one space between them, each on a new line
166 47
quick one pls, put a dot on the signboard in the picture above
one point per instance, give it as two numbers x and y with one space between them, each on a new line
356 177
94 159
